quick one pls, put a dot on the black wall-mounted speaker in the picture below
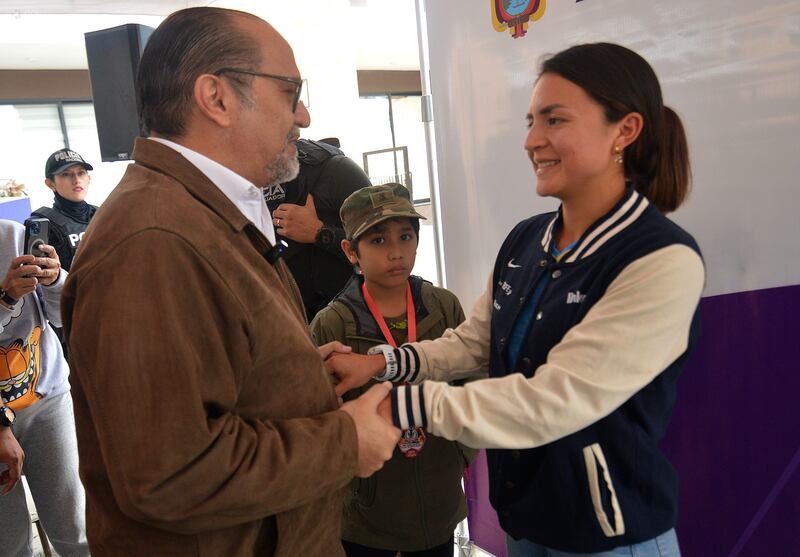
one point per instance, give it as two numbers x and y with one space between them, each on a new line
114 56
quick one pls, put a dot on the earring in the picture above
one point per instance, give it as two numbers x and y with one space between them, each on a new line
617 155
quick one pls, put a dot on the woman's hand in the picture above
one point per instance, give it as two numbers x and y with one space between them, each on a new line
353 370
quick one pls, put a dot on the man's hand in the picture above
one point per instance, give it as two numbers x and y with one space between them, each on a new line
11 455
50 266
376 437
298 222
385 409
334 347
353 370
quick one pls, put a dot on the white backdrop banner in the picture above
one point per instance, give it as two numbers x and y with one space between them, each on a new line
730 69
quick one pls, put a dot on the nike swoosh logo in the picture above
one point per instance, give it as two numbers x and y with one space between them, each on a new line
511 265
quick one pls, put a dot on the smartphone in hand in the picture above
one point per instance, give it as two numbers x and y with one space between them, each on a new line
36 234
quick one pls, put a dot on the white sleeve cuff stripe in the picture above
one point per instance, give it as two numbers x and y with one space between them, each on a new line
400 400
408 406
415 404
413 362
401 367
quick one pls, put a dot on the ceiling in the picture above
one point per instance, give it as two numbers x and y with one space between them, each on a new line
141 7
46 34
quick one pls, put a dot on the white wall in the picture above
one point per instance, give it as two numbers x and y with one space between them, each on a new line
328 38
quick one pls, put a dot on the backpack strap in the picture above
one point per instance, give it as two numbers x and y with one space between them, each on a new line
314 156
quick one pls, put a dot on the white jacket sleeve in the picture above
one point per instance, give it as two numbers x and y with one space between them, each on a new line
461 352
639 327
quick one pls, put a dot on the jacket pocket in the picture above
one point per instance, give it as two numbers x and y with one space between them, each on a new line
596 462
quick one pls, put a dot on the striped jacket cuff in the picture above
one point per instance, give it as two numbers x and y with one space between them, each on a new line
408 406
402 363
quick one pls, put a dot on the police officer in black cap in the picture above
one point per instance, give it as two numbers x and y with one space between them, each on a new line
67 174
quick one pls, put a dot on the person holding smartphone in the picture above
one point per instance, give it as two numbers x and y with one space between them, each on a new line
37 427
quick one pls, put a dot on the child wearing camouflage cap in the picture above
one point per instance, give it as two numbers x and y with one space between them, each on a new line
415 501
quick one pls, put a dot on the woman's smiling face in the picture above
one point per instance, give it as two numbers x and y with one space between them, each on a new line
570 142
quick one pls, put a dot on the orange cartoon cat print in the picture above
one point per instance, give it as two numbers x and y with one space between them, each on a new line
20 364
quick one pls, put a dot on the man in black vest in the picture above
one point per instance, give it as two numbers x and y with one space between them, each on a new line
66 173
305 212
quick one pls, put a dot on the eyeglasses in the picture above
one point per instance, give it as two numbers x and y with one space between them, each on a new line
297 82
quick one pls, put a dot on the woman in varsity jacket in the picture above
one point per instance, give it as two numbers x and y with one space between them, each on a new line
588 319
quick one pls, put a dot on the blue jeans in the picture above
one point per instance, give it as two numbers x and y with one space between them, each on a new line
665 545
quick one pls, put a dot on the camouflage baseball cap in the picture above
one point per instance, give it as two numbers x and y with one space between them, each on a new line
368 206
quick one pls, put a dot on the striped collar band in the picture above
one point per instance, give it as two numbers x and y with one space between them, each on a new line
615 221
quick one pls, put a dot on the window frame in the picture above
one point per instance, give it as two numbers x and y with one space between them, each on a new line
59 103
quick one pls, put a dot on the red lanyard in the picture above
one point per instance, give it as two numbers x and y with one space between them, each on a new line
411 315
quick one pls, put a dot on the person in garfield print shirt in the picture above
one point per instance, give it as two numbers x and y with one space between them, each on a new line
37 427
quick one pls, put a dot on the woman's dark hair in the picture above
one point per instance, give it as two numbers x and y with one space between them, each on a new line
187 44
414 224
623 82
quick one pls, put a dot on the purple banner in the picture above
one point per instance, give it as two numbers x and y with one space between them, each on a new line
484 528
15 208
735 433
734 437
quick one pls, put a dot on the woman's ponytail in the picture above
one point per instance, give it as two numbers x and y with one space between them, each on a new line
670 184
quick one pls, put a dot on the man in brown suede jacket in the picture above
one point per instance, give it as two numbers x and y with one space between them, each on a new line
206 422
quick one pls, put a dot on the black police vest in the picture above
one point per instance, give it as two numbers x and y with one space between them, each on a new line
65 234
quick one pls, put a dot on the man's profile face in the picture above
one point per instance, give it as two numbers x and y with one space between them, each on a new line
266 129
71 183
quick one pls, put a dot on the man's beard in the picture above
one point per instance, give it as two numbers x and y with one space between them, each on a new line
283 168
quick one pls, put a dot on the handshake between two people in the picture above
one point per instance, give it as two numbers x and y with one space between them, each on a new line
371 412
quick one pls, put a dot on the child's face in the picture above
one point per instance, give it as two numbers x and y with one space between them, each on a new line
387 252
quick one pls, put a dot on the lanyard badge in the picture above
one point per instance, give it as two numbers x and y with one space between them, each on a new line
412 440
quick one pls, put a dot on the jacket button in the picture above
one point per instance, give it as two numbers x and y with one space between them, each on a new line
515 455
543 263
522 300
509 485
556 274
525 363
502 341
538 316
